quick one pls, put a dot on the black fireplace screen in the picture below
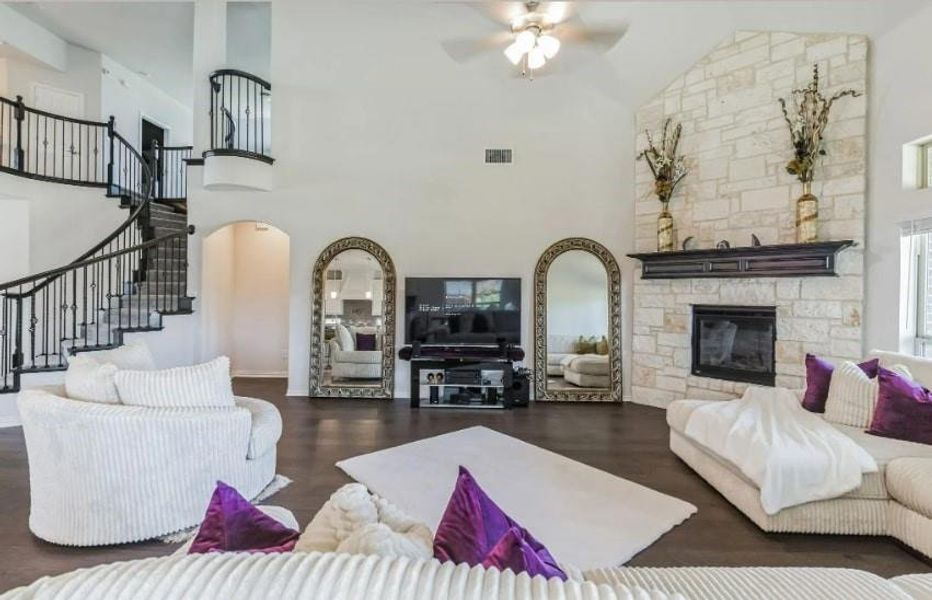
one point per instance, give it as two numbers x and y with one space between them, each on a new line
734 343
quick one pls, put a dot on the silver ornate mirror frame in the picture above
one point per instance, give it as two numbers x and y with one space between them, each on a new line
317 386
614 393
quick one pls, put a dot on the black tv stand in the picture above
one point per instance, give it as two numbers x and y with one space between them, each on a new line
462 376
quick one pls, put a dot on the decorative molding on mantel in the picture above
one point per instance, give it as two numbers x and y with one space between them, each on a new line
779 260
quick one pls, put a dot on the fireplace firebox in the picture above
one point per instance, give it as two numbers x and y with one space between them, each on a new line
735 343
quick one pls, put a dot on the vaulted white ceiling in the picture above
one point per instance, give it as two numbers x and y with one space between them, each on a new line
151 38
664 36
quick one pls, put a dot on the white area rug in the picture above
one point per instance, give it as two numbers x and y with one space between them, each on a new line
586 517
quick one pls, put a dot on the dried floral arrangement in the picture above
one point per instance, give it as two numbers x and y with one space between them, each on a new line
807 125
668 168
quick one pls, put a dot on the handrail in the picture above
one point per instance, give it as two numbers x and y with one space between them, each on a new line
139 211
88 262
243 74
44 113
124 282
240 104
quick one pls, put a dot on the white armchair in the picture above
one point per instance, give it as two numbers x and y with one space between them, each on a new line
354 364
109 474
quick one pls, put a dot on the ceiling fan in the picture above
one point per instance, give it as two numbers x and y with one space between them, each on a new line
533 33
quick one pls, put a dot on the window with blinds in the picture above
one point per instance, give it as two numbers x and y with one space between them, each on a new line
916 254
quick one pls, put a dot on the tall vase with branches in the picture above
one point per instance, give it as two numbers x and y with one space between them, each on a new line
668 169
806 114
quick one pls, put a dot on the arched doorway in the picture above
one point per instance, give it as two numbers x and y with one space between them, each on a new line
245 298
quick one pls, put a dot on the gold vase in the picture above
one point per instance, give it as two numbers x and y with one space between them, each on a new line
665 233
807 216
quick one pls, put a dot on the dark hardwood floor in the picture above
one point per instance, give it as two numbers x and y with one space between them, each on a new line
629 441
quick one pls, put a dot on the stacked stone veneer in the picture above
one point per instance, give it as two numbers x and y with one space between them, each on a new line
737 146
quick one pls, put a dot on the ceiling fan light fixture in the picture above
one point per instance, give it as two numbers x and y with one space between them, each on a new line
549 45
514 53
526 40
536 58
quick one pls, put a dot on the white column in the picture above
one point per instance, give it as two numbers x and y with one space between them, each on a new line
210 54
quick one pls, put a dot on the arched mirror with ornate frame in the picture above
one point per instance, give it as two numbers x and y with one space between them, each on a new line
577 323
353 321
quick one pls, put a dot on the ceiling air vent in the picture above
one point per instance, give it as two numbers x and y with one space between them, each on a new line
498 156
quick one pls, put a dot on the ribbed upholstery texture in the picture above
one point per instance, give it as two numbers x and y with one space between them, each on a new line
301 576
911 528
852 395
266 426
91 381
108 474
839 515
134 355
917 586
902 511
754 583
910 483
204 385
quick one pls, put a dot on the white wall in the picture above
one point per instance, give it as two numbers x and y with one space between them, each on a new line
244 299
260 301
82 75
31 39
397 156
577 296
215 296
14 238
54 211
900 112
249 37
4 78
130 97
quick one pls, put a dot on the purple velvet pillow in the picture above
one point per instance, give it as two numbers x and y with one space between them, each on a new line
475 531
819 377
904 409
233 524
365 341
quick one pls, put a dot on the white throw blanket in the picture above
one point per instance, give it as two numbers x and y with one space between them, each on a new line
791 454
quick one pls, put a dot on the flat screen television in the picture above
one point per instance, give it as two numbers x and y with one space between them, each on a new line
462 310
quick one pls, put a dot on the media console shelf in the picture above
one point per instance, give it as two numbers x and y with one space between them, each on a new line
459 377
779 260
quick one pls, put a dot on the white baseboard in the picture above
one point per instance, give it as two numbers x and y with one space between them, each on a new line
656 403
298 392
9 422
261 374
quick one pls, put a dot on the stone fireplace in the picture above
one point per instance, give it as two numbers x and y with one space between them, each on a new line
737 147
735 343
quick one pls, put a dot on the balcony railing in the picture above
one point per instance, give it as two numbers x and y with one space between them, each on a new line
240 115
171 172
51 147
125 282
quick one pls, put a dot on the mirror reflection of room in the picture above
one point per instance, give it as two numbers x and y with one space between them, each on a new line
353 324
577 323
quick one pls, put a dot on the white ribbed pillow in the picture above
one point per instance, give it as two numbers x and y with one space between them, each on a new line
133 355
91 381
203 385
852 395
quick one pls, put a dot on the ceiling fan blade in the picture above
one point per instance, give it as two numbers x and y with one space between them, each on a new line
603 37
466 49
500 12
558 12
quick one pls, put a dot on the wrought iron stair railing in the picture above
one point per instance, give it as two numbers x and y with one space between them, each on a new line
125 282
240 114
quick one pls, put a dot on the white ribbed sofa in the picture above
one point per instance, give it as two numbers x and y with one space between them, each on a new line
895 501
109 473
307 576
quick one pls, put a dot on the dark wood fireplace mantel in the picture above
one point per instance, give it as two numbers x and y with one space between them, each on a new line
780 260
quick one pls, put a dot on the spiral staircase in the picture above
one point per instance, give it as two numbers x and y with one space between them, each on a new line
127 282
